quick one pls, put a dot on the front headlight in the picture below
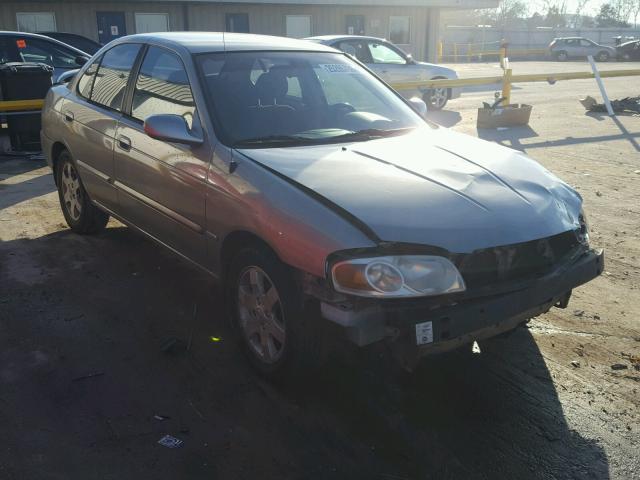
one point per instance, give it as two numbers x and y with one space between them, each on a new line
583 235
397 276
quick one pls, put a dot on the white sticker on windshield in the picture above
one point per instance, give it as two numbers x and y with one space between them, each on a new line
337 68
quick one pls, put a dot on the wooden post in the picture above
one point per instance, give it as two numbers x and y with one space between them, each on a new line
506 87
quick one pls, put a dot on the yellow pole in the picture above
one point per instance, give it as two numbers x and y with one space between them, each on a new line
506 87
440 50
503 54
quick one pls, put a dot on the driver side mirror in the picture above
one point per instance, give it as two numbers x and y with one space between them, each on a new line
170 128
419 106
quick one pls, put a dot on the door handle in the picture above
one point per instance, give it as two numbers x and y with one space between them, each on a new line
124 142
68 116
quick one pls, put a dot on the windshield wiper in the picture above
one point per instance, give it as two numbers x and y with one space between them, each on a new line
309 139
271 139
372 133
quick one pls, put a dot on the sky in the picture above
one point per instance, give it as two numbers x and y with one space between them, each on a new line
592 7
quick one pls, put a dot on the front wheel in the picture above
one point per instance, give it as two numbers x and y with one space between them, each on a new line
437 98
268 314
562 56
602 56
81 215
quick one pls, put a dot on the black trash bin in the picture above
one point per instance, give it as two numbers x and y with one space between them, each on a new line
24 81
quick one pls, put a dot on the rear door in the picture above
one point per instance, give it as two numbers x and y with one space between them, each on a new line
111 25
92 114
161 185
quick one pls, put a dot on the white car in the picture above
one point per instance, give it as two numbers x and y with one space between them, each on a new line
393 65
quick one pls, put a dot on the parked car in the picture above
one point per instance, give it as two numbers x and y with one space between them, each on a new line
31 47
563 49
77 41
393 65
628 51
310 188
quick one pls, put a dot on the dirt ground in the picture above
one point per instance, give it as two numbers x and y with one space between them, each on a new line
100 334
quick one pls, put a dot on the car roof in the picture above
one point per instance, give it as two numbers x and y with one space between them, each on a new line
5 33
335 38
204 42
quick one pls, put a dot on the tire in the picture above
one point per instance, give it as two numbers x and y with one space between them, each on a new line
82 216
436 98
562 56
267 312
602 56
626 57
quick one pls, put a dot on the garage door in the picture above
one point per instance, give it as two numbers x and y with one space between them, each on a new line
152 22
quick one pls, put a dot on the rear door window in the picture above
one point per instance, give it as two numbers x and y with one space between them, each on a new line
162 86
85 84
112 76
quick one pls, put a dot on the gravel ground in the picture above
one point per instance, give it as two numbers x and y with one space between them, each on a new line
100 334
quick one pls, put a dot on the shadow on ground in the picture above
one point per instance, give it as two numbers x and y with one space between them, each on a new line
99 334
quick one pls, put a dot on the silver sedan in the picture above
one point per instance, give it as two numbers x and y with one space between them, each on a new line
395 66
314 193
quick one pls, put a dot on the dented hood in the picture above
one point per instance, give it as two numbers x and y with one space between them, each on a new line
434 187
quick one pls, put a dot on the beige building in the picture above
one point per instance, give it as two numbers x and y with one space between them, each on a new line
412 24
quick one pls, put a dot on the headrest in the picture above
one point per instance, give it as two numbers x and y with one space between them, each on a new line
271 86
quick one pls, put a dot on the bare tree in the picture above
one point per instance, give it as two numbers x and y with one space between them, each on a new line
580 7
636 13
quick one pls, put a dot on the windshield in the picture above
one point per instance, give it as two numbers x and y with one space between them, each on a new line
263 99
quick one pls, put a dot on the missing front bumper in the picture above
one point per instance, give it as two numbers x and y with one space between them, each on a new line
459 324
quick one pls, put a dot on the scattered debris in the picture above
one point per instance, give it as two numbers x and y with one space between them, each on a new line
626 105
575 363
89 375
161 417
598 193
619 366
475 348
635 361
578 313
170 442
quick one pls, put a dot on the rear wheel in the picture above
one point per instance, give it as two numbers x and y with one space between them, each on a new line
602 56
437 98
562 56
81 215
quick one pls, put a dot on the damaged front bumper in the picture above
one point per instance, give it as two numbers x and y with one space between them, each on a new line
415 328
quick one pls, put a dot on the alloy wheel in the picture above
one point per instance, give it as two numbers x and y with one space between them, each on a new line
439 97
261 315
71 191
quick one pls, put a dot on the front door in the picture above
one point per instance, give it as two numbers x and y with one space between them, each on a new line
161 185
389 63
355 25
111 25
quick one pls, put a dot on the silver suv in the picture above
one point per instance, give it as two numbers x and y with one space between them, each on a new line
315 193
563 49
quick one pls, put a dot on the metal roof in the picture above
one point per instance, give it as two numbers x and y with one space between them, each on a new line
202 42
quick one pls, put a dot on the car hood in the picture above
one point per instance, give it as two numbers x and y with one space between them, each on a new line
433 187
